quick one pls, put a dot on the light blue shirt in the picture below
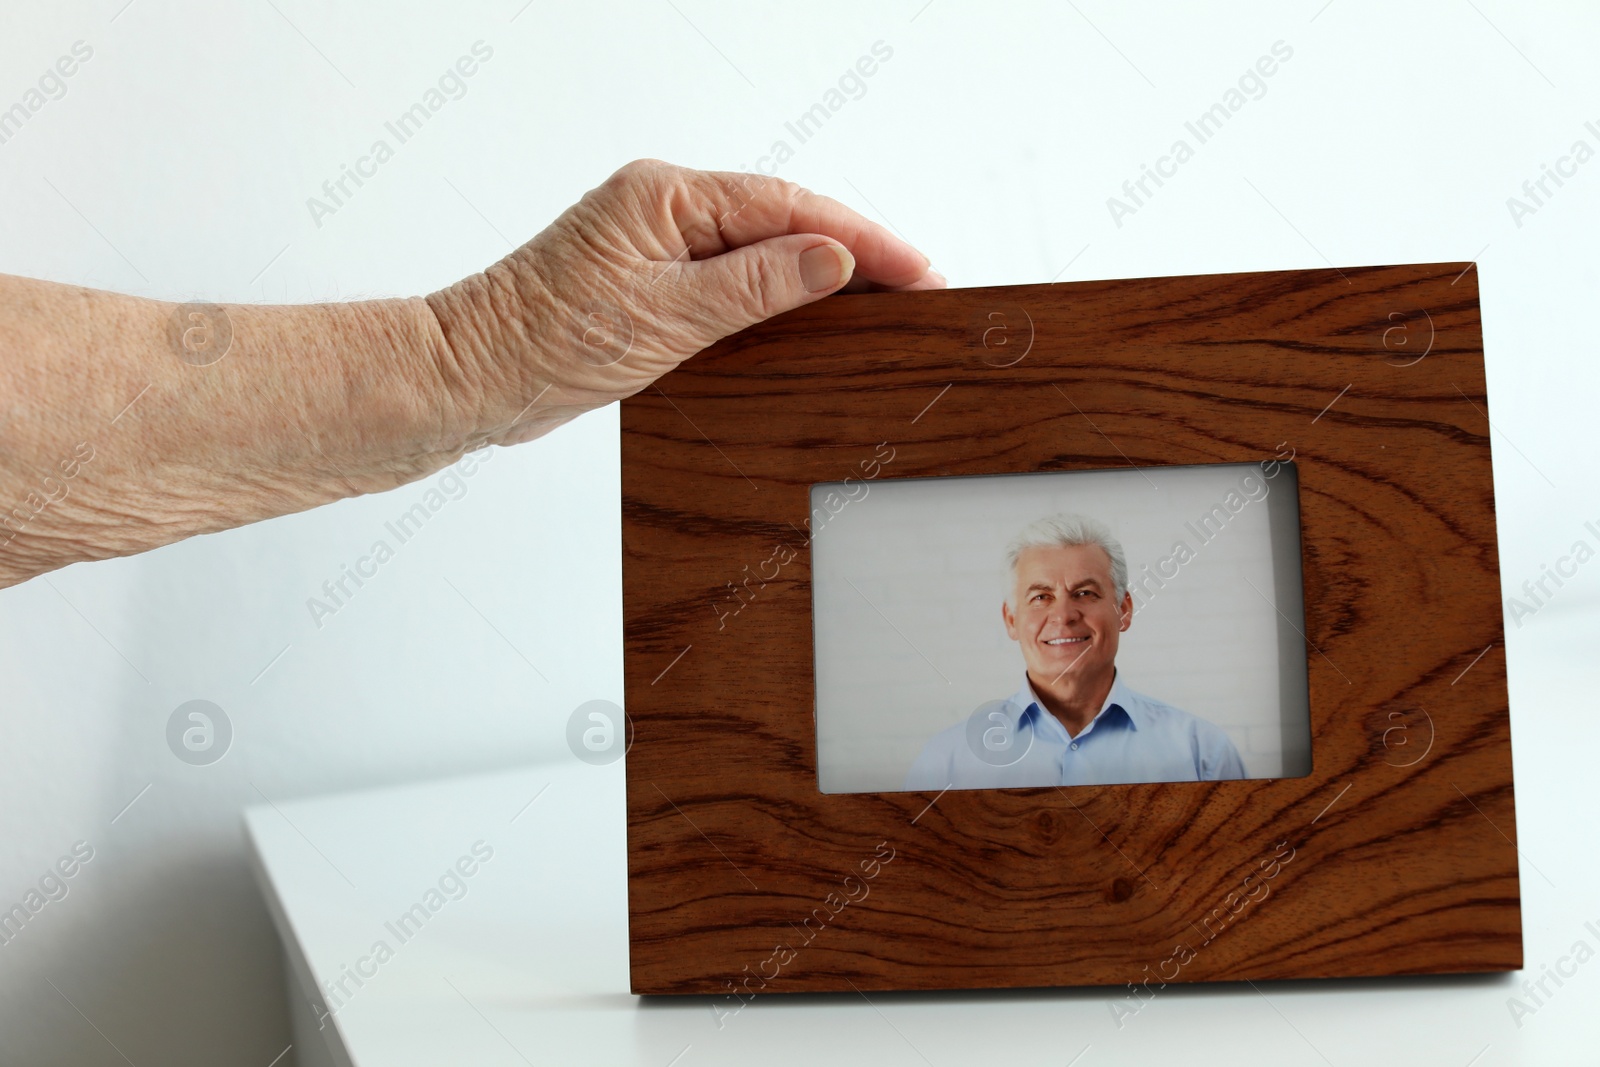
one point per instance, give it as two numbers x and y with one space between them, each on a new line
1134 738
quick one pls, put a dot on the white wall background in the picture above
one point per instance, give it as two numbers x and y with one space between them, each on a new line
908 579
178 165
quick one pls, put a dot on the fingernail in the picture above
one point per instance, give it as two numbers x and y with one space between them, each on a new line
936 276
824 267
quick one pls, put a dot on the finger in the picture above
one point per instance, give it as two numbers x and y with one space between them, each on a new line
931 280
881 256
749 284
730 210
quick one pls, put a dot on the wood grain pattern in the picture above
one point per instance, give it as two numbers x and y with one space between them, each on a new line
1395 856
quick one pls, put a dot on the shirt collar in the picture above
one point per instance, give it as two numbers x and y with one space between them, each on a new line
1025 700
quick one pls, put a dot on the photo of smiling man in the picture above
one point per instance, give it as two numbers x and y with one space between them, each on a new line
1074 720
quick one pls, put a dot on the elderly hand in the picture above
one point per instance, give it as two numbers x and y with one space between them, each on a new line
128 423
656 264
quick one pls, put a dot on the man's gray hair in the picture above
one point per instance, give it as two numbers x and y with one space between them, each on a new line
1066 531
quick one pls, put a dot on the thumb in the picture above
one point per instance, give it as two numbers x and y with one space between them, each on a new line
750 284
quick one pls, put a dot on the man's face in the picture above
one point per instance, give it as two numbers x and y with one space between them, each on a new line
1066 617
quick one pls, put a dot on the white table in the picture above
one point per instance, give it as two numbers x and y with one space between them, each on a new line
530 964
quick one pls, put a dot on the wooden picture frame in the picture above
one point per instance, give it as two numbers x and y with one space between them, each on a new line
1396 855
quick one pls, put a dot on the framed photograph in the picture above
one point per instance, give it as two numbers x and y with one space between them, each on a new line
1106 633
978 632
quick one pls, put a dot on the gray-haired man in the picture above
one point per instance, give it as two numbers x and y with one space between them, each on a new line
1074 721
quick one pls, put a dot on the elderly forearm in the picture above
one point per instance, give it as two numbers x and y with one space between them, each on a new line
126 424
118 435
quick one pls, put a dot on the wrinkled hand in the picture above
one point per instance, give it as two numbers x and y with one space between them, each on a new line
651 267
